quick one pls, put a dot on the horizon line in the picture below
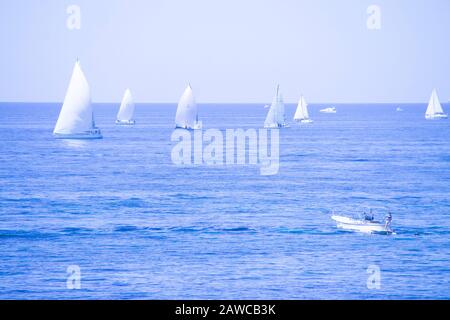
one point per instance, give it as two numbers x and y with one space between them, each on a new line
215 102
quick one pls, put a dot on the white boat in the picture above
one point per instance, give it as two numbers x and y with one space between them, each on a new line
126 110
276 116
329 110
362 225
76 118
187 113
434 110
399 109
301 114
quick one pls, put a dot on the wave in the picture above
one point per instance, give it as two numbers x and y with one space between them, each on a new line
26 234
129 228
186 196
131 203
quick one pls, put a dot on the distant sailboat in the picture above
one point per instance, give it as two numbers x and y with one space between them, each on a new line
126 111
301 114
434 110
76 119
276 117
187 113
329 110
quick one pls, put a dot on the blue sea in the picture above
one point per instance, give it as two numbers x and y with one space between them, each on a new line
140 227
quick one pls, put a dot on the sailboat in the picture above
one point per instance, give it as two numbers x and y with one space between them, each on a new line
301 114
187 113
76 118
434 110
276 117
126 111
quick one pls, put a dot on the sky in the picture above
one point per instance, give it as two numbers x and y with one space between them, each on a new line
228 50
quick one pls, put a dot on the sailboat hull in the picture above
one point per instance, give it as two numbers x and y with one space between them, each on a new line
196 127
275 126
89 135
436 116
304 120
125 122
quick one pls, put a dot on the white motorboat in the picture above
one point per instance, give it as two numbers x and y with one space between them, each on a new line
361 225
329 110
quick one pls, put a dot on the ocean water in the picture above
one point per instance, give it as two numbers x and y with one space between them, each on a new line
140 227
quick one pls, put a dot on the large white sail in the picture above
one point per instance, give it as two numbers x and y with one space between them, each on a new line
126 111
276 117
302 110
76 118
187 113
434 109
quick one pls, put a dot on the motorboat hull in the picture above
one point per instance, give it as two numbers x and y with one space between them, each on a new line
328 110
361 225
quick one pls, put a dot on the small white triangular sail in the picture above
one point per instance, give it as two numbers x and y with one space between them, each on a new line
434 106
126 110
302 110
276 116
270 119
281 118
76 116
187 113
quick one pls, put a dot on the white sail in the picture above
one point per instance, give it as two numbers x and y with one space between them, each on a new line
76 116
187 113
270 119
302 110
276 117
434 106
126 110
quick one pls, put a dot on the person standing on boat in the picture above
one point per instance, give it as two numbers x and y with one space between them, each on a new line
388 221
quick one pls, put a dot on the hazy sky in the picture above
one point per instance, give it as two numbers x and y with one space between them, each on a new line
229 50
